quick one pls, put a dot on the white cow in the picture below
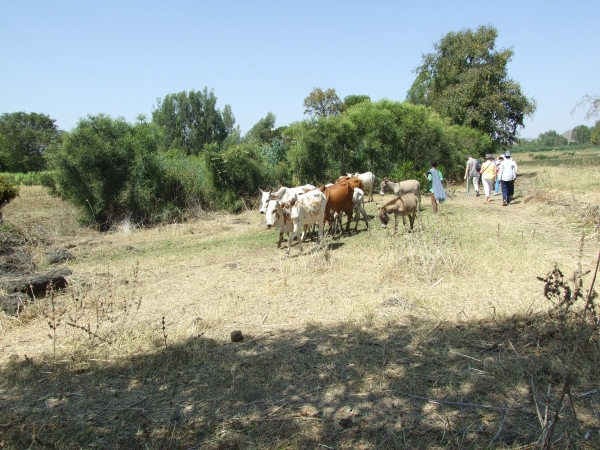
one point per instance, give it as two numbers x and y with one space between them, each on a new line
284 194
358 200
282 221
307 210
368 180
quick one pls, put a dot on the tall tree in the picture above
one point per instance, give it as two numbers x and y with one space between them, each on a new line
417 94
191 120
551 139
24 139
466 80
263 130
581 134
595 133
321 103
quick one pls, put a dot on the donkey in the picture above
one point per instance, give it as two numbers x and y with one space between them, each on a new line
401 188
405 205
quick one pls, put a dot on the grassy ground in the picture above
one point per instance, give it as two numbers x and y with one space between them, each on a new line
434 339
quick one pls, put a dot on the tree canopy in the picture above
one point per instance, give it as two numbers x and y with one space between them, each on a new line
263 130
321 103
24 138
351 100
581 134
465 79
551 139
595 133
191 120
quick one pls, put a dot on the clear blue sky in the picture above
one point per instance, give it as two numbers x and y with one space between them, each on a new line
69 59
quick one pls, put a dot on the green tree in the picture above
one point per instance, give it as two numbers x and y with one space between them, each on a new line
321 103
581 134
191 120
551 139
466 80
24 139
263 131
595 133
112 170
417 94
237 173
351 100
380 137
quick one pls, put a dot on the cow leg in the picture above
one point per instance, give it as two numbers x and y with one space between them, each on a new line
364 213
321 226
348 223
280 239
411 219
290 240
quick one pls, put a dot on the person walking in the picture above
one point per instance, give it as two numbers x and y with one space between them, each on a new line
472 175
507 175
498 162
488 175
436 191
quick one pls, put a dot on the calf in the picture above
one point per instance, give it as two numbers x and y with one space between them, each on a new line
405 205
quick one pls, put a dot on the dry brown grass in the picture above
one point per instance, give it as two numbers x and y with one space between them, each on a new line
433 339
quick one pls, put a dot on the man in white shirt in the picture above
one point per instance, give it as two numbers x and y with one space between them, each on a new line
507 175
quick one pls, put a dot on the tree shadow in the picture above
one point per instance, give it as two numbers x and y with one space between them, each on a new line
411 383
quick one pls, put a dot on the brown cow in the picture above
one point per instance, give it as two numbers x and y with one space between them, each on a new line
339 199
353 181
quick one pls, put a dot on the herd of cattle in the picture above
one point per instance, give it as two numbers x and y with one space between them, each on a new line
298 208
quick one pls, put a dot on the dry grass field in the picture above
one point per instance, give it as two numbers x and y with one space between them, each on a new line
440 338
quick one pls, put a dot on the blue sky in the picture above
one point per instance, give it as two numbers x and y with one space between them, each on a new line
69 59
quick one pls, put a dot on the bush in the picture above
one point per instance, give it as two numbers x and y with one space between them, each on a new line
237 173
27 179
406 171
111 170
8 192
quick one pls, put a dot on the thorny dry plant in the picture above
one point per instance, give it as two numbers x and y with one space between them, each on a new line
99 310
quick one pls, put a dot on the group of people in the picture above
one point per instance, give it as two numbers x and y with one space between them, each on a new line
494 174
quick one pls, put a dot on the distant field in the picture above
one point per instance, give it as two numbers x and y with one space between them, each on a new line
440 338
574 156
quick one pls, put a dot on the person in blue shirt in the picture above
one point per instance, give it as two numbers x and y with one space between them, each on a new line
437 190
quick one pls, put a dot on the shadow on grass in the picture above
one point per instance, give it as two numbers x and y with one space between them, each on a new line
407 384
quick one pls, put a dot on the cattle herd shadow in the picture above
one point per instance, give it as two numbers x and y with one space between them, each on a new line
410 383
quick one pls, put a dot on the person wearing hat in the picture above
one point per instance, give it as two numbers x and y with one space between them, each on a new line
488 175
507 175
498 162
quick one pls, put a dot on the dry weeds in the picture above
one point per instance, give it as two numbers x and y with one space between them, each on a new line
439 338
